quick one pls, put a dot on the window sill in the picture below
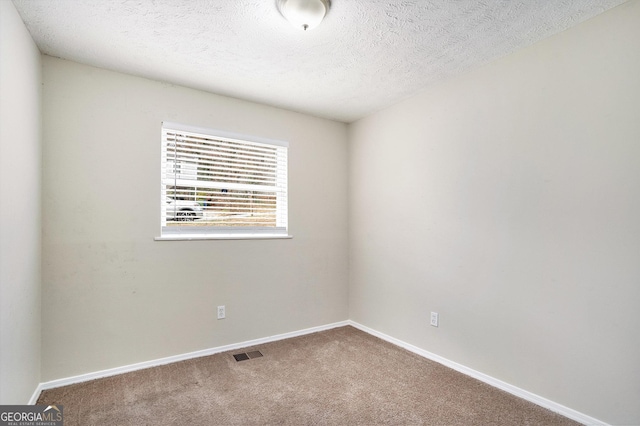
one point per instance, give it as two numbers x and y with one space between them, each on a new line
223 237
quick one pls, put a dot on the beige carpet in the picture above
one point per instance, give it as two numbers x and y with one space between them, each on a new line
337 377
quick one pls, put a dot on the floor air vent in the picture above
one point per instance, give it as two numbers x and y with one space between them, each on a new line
248 355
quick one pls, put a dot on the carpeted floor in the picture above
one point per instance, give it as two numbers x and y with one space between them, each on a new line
337 377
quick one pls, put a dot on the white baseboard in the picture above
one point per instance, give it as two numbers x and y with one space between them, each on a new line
36 395
514 390
162 361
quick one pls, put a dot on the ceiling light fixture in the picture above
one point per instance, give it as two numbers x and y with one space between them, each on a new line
304 14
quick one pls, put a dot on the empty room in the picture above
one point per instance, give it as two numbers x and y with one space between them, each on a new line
320 212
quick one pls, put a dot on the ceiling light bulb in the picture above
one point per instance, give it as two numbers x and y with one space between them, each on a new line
304 14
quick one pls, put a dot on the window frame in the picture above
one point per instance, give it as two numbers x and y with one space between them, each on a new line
186 233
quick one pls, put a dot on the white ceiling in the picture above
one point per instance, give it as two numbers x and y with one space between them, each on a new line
366 55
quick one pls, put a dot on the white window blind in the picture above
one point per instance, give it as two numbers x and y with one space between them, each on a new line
214 183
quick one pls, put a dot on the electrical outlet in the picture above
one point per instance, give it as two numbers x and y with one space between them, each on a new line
434 319
221 312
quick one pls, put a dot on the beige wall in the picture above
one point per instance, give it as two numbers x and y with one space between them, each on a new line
20 154
114 296
508 200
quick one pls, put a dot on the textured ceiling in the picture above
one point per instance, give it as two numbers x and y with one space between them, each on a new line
366 55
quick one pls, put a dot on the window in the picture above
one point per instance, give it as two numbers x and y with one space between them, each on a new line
217 185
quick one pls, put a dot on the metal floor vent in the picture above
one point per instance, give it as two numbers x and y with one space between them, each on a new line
248 355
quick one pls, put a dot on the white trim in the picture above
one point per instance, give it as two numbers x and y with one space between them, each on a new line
36 395
175 358
514 390
184 237
221 134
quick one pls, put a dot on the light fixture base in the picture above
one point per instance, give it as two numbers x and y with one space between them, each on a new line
304 14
